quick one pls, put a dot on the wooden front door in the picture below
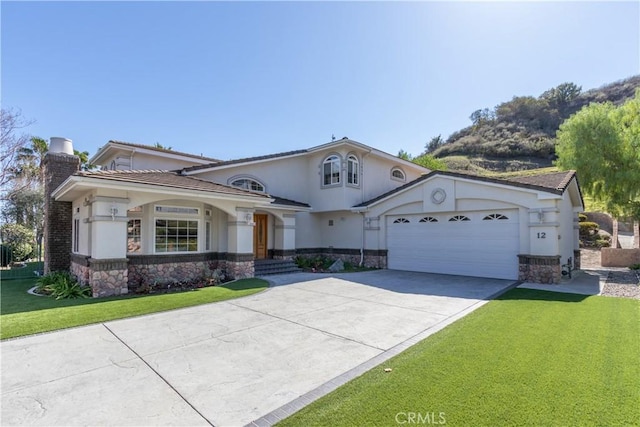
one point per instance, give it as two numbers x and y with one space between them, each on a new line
260 236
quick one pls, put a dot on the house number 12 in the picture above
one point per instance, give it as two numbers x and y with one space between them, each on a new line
542 235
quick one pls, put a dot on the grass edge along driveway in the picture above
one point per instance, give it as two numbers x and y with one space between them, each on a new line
528 358
47 314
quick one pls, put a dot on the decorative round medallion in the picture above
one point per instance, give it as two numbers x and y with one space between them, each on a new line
438 196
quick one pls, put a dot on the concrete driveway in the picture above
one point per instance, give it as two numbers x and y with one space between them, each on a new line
254 359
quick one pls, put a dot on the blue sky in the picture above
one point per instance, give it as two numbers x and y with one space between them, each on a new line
232 80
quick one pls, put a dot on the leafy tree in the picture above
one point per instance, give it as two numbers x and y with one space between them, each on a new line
561 96
482 116
404 155
24 198
435 143
430 162
19 239
27 170
424 160
602 143
158 145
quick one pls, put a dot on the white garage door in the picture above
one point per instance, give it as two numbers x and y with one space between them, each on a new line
481 244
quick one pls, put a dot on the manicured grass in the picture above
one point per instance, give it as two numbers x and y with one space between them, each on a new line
24 314
528 358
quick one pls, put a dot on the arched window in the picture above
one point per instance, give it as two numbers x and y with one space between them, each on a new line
353 170
495 216
398 174
248 184
401 221
429 219
459 218
331 170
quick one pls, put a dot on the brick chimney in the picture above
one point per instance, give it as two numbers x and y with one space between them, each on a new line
59 164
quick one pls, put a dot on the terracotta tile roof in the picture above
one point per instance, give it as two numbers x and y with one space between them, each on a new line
288 202
169 179
554 182
245 160
164 150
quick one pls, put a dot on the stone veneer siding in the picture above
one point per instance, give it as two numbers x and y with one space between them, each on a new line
372 258
577 264
539 269
185 267
237 266
58 216
107 277
169 268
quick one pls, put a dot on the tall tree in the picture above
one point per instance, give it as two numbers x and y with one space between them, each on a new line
12 139
602 143
434 143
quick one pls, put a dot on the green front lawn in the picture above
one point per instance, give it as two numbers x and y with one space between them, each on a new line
528 358
24 314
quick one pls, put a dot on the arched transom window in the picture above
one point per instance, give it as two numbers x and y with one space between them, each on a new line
353 170
397 173
248 184
331 170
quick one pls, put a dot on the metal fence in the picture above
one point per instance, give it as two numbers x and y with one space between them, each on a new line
10 269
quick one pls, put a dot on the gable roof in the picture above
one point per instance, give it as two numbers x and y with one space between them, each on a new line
244 160
555 183
132 146
327 146
166 179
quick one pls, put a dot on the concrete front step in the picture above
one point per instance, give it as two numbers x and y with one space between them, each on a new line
266 267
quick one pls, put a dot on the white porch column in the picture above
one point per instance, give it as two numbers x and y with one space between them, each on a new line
239 257
285 237
107 267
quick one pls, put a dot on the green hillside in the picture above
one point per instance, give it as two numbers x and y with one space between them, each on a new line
520 134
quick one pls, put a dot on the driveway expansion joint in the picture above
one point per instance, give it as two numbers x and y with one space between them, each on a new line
159 375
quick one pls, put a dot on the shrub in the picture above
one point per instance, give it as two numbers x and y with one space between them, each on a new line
582 217
313 263
634 267
588 228
61 284
19 239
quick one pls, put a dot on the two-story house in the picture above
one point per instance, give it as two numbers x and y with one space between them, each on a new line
162 214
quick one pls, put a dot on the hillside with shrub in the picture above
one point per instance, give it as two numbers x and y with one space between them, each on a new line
520 134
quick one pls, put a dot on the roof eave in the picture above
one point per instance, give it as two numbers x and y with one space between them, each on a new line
75 181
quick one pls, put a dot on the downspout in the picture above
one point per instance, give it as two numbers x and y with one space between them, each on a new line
362 181
363 239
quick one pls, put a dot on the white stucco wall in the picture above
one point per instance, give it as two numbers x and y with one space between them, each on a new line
463 195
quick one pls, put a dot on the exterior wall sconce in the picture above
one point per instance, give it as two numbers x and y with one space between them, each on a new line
249 219
114 212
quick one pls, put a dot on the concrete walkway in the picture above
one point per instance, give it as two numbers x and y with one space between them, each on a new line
255 359
583 282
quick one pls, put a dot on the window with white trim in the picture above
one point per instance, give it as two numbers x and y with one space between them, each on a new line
458 218
177 210
76 235
133 235
398 174
331 170
353 170
248 184
207 236
176 235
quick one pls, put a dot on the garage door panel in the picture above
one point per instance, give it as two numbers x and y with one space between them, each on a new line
484 248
